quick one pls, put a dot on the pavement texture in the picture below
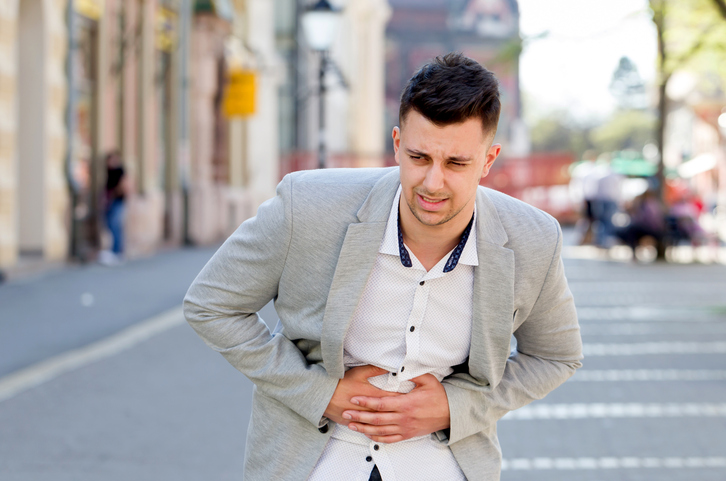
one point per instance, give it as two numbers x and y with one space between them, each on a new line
649 403
49 313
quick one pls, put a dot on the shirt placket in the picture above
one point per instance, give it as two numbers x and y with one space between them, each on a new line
413 332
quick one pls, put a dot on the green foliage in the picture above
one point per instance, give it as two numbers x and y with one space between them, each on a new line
626 129
694 33
554 133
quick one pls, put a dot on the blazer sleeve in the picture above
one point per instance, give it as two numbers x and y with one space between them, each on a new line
222 304
549 350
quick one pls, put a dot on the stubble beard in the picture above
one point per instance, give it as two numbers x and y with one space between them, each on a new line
413 207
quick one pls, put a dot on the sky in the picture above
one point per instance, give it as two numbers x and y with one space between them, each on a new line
572 66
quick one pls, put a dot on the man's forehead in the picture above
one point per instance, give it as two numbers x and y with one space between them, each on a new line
487 135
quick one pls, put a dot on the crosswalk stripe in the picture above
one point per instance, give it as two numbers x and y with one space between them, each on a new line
643 348
642 329
591 375
646 314
529 464
616 410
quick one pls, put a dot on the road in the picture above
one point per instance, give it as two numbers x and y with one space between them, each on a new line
149 400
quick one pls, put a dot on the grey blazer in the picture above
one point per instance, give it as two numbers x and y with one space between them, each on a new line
311 249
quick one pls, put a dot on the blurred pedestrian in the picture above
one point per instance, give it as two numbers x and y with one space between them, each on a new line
605 203
115 199
683 217
583 188
647 219
398 291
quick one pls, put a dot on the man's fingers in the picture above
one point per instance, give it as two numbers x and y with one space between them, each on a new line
371 430
377 403
369 370
387 439
424 379
372 417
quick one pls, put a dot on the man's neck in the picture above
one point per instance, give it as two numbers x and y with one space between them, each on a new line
431 243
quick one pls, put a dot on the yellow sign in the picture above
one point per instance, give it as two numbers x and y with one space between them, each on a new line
92 9
239 99
165 29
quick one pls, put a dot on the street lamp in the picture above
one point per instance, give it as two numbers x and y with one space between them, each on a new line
320 23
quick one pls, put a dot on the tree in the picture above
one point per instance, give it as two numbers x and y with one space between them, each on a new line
689 34
554 133
627 86
626 129
721 7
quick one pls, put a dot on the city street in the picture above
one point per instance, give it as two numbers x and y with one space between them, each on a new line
101 379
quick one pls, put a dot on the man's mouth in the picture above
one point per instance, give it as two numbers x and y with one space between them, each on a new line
430 203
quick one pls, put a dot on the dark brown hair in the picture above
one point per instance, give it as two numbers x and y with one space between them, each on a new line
450 89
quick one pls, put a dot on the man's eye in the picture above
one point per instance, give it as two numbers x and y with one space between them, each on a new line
415 156
458 164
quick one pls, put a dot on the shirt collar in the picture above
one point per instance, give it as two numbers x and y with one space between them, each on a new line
392 244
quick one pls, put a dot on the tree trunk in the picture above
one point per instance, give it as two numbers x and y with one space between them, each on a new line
658 7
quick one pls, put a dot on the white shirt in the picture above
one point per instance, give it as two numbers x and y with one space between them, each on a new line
409 322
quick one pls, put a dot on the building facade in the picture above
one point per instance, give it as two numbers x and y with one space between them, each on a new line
34 200
485 30
354 103
146 78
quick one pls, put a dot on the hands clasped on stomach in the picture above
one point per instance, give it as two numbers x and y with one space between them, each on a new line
384 416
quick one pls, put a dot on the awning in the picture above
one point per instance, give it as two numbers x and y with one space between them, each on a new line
636 167
221 8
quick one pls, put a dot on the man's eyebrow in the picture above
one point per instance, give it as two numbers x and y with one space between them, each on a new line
459 159
418 153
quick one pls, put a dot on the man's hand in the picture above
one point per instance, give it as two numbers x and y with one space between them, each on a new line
354 383
422 411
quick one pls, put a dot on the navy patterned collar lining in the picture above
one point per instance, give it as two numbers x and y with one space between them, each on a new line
453 258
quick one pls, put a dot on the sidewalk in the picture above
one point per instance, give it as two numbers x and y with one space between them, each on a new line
51 312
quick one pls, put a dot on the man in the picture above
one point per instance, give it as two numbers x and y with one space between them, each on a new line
398 291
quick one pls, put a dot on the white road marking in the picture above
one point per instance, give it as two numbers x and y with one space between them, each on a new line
645 313
528 464
44 371
592 375
642 329
616 410
642 348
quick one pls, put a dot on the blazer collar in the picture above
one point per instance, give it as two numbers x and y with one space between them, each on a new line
355 262
377 205
493 282
493 310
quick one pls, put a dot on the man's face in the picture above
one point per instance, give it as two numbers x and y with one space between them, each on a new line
441 167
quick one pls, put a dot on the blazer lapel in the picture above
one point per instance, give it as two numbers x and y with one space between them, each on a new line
355 262
493 296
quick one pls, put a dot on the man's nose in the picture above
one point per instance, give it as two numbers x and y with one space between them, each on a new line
434 180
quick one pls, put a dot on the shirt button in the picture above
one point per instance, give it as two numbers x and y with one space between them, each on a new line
323 429
375 447
421 283
369 459
412 329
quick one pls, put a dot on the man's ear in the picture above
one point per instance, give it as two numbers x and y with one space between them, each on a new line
396 134
492 155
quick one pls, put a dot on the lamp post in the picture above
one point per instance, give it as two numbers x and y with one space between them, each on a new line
320 22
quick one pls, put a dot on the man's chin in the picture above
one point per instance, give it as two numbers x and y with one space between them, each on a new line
431 219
